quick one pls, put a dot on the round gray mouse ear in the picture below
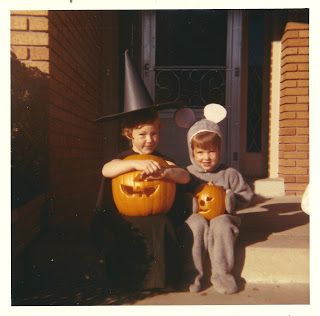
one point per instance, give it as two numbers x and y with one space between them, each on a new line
184 117
214 112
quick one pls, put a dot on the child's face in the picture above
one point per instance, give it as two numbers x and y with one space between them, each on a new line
206 158
145 138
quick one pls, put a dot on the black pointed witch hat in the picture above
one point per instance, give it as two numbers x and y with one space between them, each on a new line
136 95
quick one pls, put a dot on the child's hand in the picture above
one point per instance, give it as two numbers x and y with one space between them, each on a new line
156 175
162 173
172 173
148 167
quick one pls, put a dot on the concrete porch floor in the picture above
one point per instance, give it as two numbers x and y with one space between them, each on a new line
272 267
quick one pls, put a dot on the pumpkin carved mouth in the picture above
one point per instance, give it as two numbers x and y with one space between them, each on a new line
138 191
203 207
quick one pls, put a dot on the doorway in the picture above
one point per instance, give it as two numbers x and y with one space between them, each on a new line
200 57
193 56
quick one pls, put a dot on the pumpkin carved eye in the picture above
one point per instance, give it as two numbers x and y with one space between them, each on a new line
138 191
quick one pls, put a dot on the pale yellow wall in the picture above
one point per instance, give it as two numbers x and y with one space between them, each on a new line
274 106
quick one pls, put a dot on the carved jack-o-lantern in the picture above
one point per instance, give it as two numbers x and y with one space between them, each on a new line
136 197
211 200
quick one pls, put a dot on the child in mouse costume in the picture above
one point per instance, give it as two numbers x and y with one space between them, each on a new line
218 235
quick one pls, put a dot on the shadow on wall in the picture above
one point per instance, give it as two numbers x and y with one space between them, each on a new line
29 131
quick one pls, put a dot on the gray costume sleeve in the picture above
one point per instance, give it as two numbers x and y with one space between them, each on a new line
241 189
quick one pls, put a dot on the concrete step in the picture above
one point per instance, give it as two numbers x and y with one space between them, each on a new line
268 187
273 244
272 260
277 260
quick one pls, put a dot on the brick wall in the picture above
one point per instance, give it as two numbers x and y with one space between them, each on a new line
75 101
29 43
67 45
30 38
294 108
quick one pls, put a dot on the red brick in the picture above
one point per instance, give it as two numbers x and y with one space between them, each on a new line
294 91
39 53
296 171
288 193
295 42
293 170
290 178
38 23
21 52
302 131
304 34
287 147
294 59
295 155
288 99
303 67
290 34
294 123
303 99
302 147
28 38
287 162
302 163
295 75
303 50
41 65
287 131
296 26
288 84
19 23
293 140
287 115
299 187
289 51
303 83
30 12
302 179
289 67
294 107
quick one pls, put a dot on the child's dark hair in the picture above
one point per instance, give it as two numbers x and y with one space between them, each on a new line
206 140
138 118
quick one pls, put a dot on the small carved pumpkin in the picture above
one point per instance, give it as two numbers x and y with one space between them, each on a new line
211 200
136 197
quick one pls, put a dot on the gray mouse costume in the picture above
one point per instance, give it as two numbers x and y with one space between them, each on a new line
218 235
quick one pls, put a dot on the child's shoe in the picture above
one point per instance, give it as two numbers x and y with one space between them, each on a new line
195 286
224 283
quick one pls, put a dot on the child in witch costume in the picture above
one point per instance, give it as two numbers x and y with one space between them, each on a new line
218 235
135 246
